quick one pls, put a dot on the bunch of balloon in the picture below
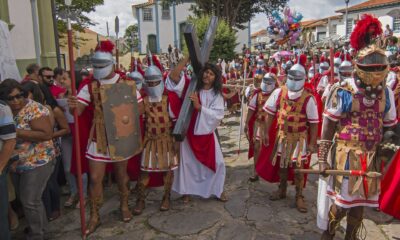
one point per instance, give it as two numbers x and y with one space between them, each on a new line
284 26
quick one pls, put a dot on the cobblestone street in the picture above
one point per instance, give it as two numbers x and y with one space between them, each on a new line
248 214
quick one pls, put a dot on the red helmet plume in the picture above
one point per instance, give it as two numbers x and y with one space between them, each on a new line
157 63
273 70
366 29
302 60
105 46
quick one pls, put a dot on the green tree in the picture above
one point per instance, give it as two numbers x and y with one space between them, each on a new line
132 30
235 12
78 11
225 38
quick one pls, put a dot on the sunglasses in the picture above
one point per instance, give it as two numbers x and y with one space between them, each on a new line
18 96
48 76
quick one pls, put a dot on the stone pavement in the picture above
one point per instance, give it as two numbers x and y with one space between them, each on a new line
248 214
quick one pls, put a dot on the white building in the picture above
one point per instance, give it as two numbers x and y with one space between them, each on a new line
159 26
387 11
324 28
32 33
259 39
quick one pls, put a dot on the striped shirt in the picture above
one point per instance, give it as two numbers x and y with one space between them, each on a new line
7 126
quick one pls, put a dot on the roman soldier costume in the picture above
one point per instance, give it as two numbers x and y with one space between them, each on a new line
356 112
296 112
115 124
159 153
256 117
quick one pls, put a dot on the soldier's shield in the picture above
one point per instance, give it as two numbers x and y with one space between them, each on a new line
121 117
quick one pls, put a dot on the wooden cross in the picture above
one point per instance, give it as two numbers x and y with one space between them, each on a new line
198 57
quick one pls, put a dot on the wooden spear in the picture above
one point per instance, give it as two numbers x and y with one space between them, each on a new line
340 172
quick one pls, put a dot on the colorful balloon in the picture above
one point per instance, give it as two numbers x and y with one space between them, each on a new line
284 26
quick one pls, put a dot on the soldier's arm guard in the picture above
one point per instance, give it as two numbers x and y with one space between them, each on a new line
323 150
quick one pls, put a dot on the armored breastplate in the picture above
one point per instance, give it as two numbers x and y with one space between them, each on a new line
158 122
363 125
261 99
292 114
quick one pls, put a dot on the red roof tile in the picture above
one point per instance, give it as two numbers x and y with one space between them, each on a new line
259 33
368 4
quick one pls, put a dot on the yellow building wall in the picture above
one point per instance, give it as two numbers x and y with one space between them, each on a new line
85 47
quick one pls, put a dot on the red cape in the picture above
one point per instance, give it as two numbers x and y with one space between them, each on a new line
251 136
85 123
264 166
320 105
252 122
389 200
203 146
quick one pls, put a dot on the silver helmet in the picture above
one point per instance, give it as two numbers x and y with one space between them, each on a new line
260 63
153 79
311 72
136 76
297 72
102 60
152 73
323 66
268 83
296 78
345 69
269 78
337 61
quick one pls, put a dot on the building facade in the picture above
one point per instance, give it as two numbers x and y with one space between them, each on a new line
82 49
387 11
30 45
161 26
259 40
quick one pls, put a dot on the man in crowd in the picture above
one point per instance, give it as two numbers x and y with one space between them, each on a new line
296 111
7 144
46 75
98 151
355 116
32 73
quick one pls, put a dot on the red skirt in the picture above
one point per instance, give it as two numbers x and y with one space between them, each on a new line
264 167
389 200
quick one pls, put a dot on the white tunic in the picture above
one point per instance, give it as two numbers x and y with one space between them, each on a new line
323 83
391 80
192 177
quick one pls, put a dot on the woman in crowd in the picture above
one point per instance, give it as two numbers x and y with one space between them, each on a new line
52 193
66 145
36 153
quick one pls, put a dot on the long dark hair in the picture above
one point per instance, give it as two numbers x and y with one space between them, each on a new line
48 97
31 87
217 85
7 86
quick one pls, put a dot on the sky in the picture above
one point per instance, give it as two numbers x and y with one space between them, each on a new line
311 9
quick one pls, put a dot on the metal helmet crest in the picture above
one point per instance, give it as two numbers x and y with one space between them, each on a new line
152 73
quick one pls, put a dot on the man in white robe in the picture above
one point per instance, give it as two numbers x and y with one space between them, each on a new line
197 177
